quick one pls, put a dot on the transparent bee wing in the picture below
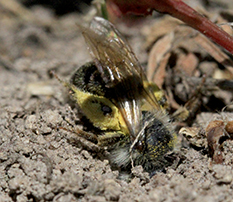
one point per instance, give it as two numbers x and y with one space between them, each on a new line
119 69
116 61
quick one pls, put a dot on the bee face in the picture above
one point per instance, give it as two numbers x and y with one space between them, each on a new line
116 97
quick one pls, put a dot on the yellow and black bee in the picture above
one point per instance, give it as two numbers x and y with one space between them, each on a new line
114 94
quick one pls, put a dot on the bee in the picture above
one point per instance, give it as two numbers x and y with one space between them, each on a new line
126 111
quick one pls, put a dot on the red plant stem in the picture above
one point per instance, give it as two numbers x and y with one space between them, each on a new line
182 11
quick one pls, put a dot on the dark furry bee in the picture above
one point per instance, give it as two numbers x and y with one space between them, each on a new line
126 110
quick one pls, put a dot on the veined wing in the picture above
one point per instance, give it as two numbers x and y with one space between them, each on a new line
120 70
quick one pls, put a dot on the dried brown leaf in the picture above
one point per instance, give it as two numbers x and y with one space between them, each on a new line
160 28
214 132
194 136
216 53
158 59
188 64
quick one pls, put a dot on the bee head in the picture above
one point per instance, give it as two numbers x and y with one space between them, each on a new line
155 139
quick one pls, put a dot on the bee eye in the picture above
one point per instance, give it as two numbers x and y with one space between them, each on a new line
106 109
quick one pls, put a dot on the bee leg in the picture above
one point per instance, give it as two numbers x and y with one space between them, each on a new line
89 136
109 138
186 111
181 114
190 107
86 140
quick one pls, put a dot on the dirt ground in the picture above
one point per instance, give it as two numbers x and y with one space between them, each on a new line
41 162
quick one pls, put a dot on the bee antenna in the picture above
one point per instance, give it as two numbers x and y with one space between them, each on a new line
64 83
